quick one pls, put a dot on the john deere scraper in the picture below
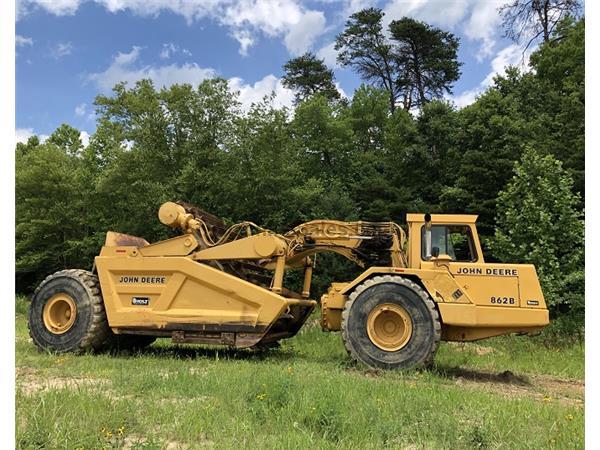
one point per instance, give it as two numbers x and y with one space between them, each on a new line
215 285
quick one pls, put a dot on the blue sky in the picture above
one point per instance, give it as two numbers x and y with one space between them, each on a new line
69 51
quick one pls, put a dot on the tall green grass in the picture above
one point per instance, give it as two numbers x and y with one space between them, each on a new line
306 394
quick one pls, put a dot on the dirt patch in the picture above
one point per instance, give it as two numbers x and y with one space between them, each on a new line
542 387
174 445
133 440
483 350
563 390
30 382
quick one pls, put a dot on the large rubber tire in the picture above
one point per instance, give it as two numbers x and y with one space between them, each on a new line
419 350
90 327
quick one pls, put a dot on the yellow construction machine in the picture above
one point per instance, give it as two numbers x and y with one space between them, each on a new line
225 286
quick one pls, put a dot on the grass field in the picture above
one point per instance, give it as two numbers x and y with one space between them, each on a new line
511 393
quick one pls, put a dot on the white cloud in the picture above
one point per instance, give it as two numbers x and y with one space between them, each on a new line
167 50
22 41
254 93
123 68
467 97
81 109
271 17
444 13
329 55
298 25
302 35
62 49
190 10
478 20
245 39
23 134
352 6
56 7
511 55
85 137
341 91
483 25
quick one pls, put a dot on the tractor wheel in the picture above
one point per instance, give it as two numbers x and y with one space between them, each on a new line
389 322
67 313
128 341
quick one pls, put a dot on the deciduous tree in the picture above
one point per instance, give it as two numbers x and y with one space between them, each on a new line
538 223
525 21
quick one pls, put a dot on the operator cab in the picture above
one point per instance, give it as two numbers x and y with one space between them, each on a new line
451 237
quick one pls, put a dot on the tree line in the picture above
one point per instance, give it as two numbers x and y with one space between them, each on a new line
515 156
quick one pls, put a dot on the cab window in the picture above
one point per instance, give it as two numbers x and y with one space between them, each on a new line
455 241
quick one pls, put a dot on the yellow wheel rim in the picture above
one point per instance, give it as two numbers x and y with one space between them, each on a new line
59 313
389 327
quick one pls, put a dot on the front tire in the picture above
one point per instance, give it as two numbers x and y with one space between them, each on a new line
389 322
67 313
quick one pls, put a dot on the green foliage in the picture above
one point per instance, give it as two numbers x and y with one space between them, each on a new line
416 64
363 46
355 160
488 137
49 197
538 223
560 75
308 75
68 138
426 59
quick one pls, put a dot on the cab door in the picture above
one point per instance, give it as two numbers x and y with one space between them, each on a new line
485 284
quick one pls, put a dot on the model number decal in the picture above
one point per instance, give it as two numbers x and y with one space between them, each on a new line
502 300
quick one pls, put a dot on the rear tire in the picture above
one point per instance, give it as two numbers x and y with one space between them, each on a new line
67 313
389 322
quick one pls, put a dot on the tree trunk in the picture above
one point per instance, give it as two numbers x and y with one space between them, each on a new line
545 23
392 101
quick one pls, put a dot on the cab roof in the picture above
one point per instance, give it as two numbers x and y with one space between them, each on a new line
442 218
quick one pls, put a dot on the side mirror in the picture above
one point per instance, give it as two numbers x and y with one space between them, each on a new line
435 252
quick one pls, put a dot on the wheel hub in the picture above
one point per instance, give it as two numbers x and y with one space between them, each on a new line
59 313
389 327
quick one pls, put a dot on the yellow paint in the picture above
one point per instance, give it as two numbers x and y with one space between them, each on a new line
181 290
178 281
389 326
59 313
332 305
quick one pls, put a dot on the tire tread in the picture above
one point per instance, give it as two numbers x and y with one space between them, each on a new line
380 279
98 329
